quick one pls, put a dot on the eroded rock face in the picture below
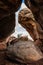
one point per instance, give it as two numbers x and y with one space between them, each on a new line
37 8
27 20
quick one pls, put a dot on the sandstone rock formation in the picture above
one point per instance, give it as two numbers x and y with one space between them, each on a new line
37 8
7 61
27 20
23 52
20 52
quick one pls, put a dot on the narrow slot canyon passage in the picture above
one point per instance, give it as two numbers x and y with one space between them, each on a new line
18 28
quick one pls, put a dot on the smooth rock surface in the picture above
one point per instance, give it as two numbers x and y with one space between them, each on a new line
7 25
7 16
9 6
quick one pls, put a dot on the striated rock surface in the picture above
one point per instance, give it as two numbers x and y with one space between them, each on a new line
27 20
37 8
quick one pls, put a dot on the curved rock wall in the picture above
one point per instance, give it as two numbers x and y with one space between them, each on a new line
7 16
27 20
37 8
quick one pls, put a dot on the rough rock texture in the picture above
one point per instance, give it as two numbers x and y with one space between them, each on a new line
24 52
37 8
27 20
17 53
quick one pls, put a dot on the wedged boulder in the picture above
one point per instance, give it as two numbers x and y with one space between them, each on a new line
24 52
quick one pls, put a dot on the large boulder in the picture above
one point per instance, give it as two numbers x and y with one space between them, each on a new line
23 52
20 52
37 8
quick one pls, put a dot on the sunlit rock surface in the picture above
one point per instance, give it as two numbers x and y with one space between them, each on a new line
37 8
27 20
